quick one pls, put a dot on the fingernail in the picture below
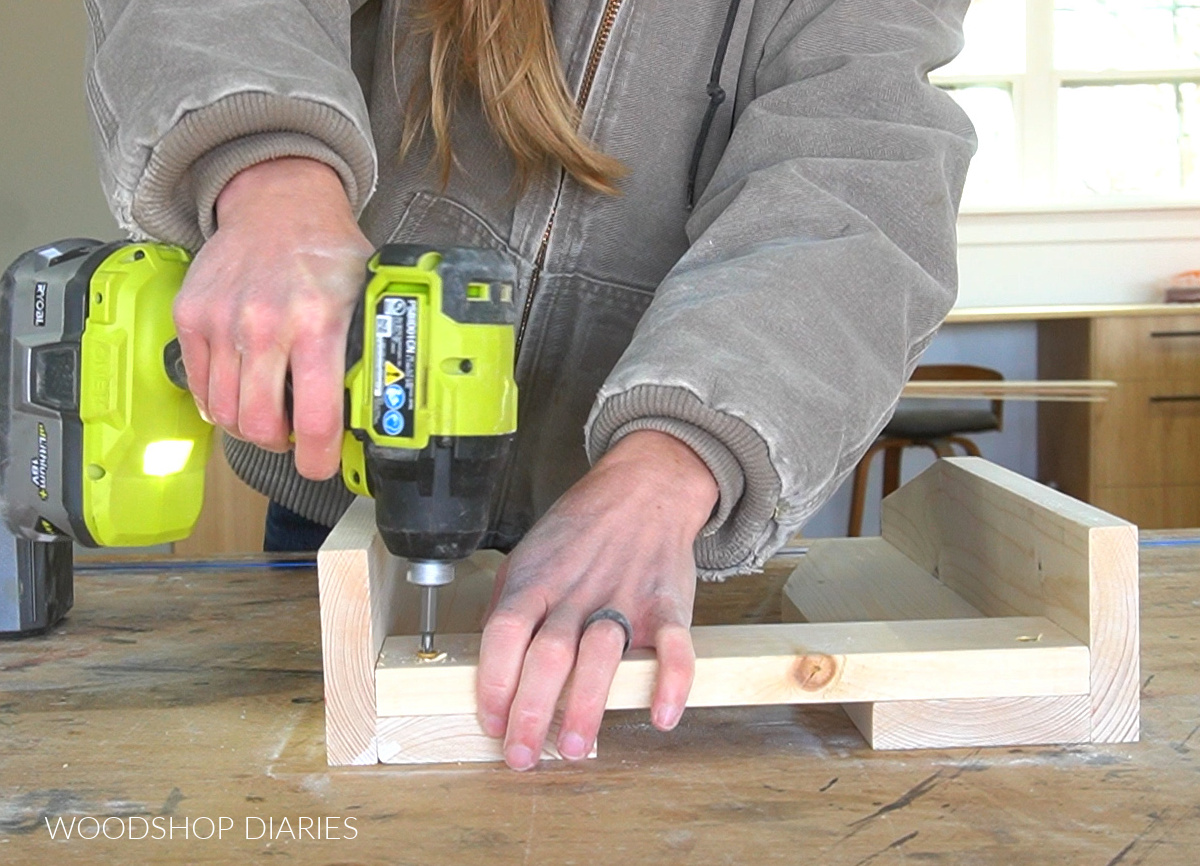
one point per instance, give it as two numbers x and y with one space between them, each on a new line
493 726
667 717
519 758
203 412
573 747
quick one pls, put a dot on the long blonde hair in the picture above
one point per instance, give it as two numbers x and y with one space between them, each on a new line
505 50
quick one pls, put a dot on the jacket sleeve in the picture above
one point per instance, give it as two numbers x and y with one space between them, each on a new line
184 94
822 261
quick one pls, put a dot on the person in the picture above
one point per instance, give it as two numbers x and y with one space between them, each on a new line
733 225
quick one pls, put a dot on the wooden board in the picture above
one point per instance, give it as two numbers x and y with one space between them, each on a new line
973 723
963 315
987 595
1061 391
448 739
999 545
854 579
357 582
866 579
1011 547
787 663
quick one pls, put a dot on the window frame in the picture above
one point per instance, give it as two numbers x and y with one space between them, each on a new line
1035 116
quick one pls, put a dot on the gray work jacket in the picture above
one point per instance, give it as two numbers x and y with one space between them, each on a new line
771 327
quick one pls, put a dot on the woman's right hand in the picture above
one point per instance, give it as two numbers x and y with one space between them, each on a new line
273 290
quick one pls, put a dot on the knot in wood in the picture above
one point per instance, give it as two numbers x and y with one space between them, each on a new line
814 672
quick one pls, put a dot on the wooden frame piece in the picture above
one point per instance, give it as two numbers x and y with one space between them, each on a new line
992 611
968 538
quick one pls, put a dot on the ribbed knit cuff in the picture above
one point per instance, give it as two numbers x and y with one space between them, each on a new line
741 542
721 463
174 199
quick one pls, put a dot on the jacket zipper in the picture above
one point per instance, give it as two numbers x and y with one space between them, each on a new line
609 18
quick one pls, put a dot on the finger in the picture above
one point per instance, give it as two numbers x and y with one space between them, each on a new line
506 637
224 373
260 404
676 669
195 363
318 377
548 663
600 652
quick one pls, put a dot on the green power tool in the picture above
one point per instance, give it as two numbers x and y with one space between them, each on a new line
101 443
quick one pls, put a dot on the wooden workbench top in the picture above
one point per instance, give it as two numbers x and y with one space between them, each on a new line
965 315
172 696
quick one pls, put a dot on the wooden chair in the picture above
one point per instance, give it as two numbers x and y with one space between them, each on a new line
938 425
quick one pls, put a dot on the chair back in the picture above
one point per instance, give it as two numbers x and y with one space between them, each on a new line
963 373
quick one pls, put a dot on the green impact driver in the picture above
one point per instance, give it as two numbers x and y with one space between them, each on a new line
101 443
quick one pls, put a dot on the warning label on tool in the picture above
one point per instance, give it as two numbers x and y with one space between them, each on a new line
395 373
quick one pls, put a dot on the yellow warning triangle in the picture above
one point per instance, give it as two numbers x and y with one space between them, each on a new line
391 373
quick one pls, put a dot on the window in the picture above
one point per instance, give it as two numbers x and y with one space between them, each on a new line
1080 100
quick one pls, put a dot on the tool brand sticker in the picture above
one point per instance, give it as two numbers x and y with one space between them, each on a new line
45 527
395 364
37 466
39 304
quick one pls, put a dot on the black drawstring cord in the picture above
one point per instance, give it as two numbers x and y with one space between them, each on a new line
716 96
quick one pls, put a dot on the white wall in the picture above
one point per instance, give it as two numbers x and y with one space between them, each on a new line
1074 257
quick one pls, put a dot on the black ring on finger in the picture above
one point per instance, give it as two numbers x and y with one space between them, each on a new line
614 616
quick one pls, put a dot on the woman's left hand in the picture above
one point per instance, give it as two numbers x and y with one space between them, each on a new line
620 538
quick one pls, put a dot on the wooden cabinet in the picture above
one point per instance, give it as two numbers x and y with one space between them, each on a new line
1138 454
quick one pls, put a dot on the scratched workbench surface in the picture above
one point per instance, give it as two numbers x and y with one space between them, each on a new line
180 702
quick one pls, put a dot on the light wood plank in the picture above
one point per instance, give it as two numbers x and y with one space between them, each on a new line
447 740
365 597
789 663
357 581
1062 391
973 723
1066 311
867 580
1012 547
853 579
1115 637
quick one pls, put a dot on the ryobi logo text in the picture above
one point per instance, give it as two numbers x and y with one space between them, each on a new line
39 305
37 466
